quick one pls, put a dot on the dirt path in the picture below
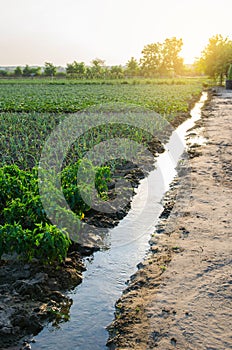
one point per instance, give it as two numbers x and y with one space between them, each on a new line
181 297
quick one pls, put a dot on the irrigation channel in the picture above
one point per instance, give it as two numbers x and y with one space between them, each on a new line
109 270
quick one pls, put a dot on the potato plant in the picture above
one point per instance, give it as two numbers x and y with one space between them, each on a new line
24 226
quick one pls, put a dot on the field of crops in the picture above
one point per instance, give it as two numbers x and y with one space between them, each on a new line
68 98
29 112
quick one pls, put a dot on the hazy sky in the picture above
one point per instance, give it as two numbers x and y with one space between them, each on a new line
61 31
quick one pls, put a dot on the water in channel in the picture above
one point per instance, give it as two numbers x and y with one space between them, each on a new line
108 271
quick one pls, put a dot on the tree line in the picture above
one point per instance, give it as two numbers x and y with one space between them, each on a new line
158 60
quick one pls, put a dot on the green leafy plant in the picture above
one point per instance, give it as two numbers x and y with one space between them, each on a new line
24 226
13 238
74 180
46 242
51 243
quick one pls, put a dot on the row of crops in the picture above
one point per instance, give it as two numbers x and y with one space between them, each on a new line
71 98
29 113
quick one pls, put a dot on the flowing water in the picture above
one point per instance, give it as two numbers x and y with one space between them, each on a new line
108 271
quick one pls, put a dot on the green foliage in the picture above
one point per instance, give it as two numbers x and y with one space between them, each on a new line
25 125
172 62
229 75
20 200
51 243
13 238
162 59
160 96
31 71
46 242
216 57
24 227
15 183
3 73
18 72
151 60
116 72
27 210
74 181
23 134
97 69
132 67
103 176
76 69
49 69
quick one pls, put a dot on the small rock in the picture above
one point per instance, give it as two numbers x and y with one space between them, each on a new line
140 266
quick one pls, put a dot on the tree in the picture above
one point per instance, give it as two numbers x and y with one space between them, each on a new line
76 69
49 69
89 73
98 62
18 72
171 61
3 73
80 69
97 68
216 57
116 72
31 71
36 71
132 67
151 60
26 71
162 58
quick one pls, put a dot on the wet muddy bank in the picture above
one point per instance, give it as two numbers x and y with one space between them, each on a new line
32 294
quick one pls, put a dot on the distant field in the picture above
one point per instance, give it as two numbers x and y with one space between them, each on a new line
29 112
125 81
163 96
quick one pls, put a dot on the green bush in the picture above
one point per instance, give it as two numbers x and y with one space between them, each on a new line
26 211
13 238
45 242
51 243
24 226
19 197
74 179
